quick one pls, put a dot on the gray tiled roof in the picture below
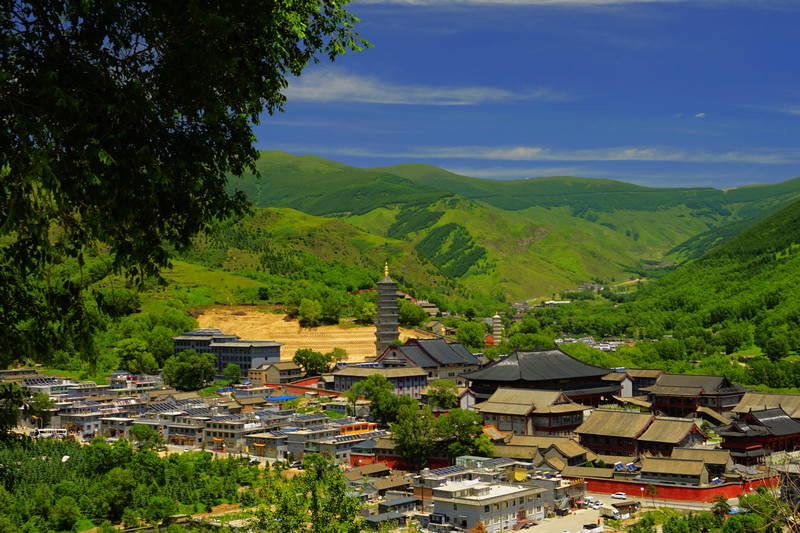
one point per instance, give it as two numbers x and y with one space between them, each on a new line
544 365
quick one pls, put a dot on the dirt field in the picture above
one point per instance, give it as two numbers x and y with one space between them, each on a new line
253 324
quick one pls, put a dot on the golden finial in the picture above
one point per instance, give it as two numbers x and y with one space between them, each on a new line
386 269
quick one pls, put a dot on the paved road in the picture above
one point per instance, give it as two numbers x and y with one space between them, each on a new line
573 522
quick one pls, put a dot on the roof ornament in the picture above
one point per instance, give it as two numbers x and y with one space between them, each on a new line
386 268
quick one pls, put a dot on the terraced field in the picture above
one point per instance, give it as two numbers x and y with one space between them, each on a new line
253 324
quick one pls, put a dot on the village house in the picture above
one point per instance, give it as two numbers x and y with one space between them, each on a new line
642 378
275 373
717 462
564 449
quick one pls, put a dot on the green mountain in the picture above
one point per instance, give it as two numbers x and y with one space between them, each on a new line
519 238
282 247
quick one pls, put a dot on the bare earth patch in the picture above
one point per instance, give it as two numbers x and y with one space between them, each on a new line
254 324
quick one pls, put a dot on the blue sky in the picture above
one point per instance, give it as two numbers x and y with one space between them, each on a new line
658 93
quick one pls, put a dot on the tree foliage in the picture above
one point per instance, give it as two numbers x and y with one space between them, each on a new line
11 399
317 499
461 431
384 405
442 394
232 372
472 334
121 124
134 356
411 314
189 370
413 435
313 363
39 407
111 482
145 437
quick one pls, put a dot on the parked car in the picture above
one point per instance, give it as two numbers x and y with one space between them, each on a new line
619 495
596 505
296 464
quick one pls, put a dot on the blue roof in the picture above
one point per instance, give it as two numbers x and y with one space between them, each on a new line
280 398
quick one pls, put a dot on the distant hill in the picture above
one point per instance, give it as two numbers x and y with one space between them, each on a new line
519 238
749 280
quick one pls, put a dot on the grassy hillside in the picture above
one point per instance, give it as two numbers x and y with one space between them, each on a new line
520 238
320 187
277 245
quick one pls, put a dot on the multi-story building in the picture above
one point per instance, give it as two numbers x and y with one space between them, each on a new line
268 444
410 381
302 441
227 433
275 373
229 349
560 494
499 506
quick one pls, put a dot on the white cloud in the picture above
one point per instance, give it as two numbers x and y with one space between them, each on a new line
787 110
328 85
503 173
699 115
539 153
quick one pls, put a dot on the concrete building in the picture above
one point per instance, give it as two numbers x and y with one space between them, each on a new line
499 506
229 349
410 381
275 373
227 433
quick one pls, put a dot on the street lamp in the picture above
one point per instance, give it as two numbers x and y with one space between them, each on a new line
642 491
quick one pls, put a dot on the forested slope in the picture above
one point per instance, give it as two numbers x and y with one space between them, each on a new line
741 296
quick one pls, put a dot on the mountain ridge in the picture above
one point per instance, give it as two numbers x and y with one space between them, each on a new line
523 238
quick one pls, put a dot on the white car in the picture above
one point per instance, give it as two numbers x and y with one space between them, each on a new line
596 505
619 495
